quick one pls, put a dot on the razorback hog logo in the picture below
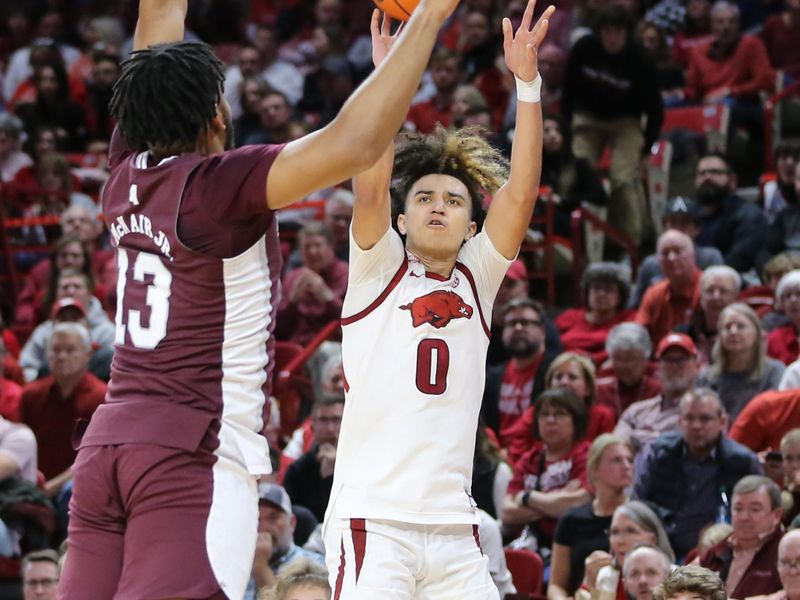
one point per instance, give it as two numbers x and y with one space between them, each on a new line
437 308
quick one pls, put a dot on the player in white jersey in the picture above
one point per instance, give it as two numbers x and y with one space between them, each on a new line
401 523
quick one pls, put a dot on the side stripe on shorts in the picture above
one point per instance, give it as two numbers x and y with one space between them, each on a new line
358 533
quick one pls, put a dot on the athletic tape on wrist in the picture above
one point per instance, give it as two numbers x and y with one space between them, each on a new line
529 91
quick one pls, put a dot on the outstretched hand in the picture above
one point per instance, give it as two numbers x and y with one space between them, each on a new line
382 37
521 48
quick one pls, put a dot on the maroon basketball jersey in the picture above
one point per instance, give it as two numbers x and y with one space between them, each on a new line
193 341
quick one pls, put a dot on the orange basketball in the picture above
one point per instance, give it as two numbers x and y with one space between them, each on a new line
397 9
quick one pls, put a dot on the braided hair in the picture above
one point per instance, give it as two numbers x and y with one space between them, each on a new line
167 95
462 154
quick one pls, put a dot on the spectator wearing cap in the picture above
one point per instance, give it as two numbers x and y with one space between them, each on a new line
52 405
671 302
747 559
784 232
728 222
275 545
605 296
515 285
511 387
75 285
677 371
719 287
681 214
740 368
683 473
782 342
629 348
609 86
766 419
12 159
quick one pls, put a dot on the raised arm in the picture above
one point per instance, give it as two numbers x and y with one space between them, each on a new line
160 22
510 212
367 122
372 209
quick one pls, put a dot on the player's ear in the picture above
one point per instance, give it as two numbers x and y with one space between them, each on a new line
401 224
471 230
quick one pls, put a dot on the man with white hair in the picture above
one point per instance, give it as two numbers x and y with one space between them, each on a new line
12 159
52 405
719 286
782 342
644 568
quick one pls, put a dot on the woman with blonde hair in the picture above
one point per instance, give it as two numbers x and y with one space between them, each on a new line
740 367
576 372
582 530
301 579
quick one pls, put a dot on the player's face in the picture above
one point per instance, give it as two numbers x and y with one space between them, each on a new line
438 216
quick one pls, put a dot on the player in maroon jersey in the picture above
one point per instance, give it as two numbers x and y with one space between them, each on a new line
164 502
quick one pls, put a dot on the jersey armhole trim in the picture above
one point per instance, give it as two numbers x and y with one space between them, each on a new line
468 274
379 300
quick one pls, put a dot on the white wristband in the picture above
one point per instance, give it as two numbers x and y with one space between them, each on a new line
529 91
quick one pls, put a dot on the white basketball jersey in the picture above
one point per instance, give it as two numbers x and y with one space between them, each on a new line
414 354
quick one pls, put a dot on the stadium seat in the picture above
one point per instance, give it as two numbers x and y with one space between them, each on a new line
526 569
711 121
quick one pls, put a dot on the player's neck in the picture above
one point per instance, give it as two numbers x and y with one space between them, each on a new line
439 266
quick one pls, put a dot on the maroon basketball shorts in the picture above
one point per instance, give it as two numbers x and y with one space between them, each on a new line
150 522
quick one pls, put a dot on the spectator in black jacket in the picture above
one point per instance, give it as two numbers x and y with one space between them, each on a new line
610 84
512 386
309 479
735 227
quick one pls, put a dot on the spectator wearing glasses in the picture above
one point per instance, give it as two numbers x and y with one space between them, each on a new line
729 223
40 575
512 387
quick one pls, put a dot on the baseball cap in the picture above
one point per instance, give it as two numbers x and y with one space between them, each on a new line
275 495
681 205
66 303
676 340
517 271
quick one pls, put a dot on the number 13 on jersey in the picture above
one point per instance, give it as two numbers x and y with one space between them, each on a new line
157 299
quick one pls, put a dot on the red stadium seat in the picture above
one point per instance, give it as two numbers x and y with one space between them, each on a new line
526 569
711 121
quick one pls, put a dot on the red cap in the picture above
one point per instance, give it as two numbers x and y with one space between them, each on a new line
676 340
517 271
65 303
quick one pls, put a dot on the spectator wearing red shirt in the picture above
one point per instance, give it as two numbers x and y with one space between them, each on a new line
696 31
551 477
606 287
780 34
10 391
568 370
628 346
672 301
766 419
52 405
782 342
447 74
732 69
512 387
313 294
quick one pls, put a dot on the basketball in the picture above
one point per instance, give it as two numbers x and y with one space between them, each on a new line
397 9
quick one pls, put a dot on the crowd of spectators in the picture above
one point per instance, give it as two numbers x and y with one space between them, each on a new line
652 423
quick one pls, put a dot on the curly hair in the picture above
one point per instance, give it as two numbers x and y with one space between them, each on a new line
697 581
462 154
167 95
300 572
